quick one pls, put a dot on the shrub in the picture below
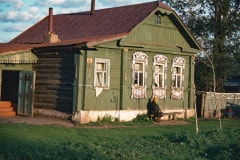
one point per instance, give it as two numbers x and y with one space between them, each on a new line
107 118
116 120
141 118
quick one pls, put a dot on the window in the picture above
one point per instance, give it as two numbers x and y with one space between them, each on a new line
158 19
138 72
177 77
102 73
177 86
139 75
159 76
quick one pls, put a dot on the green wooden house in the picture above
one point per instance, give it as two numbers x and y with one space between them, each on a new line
102 62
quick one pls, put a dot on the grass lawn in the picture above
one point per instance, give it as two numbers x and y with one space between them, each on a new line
24 141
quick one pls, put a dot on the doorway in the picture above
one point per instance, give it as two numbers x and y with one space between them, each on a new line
9 91
18 87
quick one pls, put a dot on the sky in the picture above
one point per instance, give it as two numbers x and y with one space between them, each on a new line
17 16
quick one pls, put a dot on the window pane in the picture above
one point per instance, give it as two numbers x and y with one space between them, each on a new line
177 70
99 66
160 80
159 68
174 80
178 81
135 78
105 79
140 79
156 83
104 66
99 79
138 67
141 67
174 70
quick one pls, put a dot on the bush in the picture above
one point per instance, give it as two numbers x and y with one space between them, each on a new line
141 118
107 118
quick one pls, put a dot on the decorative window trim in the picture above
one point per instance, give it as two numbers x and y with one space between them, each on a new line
177 87
104 73
139 67
159 90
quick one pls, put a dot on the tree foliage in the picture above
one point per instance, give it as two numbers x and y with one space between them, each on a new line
216 25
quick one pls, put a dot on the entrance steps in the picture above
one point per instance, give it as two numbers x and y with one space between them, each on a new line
6 109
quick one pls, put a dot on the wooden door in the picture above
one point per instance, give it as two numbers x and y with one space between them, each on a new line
25 93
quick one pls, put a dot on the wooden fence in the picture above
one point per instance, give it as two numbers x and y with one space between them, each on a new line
214 102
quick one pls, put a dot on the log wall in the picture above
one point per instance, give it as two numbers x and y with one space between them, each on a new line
54 78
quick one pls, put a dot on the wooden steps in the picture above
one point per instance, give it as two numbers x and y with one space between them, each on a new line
6 109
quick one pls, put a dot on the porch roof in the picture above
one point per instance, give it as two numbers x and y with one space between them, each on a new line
22 56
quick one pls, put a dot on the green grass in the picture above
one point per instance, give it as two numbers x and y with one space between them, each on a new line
23 141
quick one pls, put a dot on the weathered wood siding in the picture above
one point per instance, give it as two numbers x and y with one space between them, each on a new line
109 99
152 39
168 103
118 97
165 35
54 76
158 39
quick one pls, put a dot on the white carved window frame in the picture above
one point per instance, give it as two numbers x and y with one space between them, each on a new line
101 75
177 87
159 76
177 76
139 75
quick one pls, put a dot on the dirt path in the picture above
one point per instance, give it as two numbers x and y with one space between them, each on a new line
38 120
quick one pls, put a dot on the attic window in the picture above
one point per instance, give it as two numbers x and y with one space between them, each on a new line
158 19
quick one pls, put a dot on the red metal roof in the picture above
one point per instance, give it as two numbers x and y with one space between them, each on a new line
74 28
8 47
104 22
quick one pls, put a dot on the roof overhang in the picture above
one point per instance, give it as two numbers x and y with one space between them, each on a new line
94 42
18 57
87 43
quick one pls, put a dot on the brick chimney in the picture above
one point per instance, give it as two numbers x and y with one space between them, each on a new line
50 36
92 7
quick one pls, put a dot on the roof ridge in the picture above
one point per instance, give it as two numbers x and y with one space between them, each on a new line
162 5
